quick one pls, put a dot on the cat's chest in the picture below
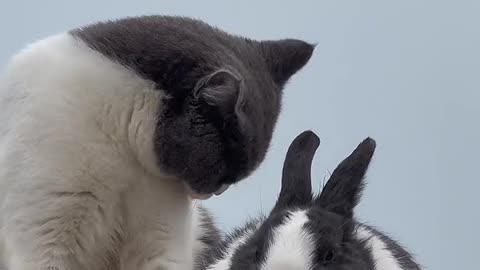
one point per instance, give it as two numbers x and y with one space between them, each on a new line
158 233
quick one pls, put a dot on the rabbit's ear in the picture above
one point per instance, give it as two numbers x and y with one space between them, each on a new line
344 188
296 176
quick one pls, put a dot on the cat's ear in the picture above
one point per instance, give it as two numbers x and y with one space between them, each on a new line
344 188
286 57
221 88
296 188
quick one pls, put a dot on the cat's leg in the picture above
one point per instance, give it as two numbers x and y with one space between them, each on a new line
160 235
189 245
156 250
60 231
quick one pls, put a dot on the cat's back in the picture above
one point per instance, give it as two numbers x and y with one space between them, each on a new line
20 82
55 70
62 105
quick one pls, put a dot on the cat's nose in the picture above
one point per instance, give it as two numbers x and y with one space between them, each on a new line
222 189
200 196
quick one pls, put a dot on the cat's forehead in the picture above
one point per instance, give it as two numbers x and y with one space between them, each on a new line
159 47
155 30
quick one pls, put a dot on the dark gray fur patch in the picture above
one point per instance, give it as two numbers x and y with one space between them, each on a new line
252 254
220 251
225 91
211 239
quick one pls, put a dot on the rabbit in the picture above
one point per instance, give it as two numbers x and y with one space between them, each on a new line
311 232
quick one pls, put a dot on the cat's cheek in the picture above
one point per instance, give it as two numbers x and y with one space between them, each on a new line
196 196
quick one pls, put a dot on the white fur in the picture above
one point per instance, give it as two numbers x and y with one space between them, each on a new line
292 245
383 258
79 188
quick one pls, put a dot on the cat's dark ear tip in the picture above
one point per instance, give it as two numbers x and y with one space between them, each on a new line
286 57
306 48
304 52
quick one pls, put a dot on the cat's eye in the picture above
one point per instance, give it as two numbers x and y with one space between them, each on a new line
328 257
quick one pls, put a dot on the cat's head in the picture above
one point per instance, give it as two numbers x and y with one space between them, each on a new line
220 132
222 92
311 232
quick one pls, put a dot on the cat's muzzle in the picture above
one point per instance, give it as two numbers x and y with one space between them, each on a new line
197 196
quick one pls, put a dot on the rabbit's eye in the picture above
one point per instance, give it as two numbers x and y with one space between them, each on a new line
328 257
258 254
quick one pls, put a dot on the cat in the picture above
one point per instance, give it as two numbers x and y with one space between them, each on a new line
306 232
109 132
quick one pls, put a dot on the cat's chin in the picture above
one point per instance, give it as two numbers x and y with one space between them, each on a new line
198 196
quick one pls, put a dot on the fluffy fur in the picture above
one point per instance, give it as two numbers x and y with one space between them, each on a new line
107 131
303 232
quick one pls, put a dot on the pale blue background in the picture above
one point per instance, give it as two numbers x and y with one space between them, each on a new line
404 72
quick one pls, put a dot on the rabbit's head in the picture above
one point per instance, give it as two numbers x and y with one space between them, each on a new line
307 232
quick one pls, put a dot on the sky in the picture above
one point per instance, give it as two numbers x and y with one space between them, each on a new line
405 73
